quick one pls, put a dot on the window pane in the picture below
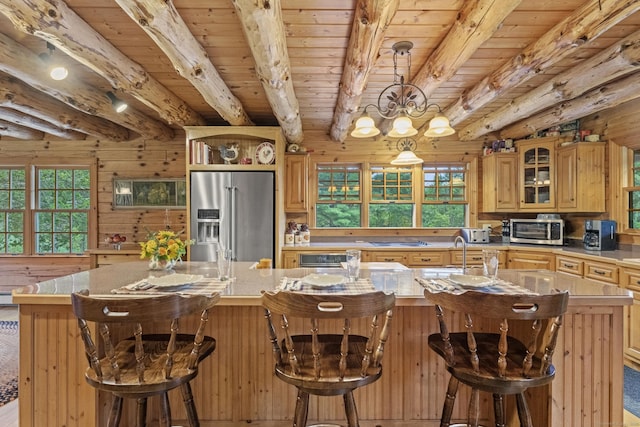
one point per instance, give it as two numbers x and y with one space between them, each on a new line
338 215
338 183
79 222
61 221
15 222
391 215
82 199
61 243
46 199
44 243
391 184
443 215
15 243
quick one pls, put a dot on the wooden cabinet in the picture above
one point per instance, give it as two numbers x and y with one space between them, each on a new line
296 182
537 174
385 256
601 271
102 257
427 259
530 260
289 259
581 182
500 182
630 279
570 265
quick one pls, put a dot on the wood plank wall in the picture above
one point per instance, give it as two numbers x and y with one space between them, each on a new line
143 159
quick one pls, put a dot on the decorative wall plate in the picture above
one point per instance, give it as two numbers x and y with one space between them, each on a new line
265 153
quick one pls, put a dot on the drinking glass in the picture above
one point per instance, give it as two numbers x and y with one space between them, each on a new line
224 264
353 264
490 262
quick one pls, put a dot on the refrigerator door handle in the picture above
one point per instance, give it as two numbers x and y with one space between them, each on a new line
232 220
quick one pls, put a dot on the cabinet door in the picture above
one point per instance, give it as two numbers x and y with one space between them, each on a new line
289 259
499 182
581 184
537 185
530 260
296 182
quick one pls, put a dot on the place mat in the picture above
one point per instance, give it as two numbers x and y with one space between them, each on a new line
205 286
498 286
360 286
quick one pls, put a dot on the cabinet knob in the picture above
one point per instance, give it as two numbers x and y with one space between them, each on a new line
425 259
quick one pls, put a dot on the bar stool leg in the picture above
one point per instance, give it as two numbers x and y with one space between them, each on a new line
165 411
350 409
473 415
498 409
116 411
189 405
449 400
523 411
302 409
141 412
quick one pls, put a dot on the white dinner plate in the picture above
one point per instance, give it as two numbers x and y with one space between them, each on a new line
323 280
469 280
173 280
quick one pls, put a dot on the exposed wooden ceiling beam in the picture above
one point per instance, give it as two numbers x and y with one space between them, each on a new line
19 96
603 97
56 23
22 63
370 21
264 30
19 118
618 60
19 132
162 22
585 24
476 23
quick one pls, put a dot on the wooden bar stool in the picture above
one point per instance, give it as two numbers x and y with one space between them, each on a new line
142 366
328 362
497 362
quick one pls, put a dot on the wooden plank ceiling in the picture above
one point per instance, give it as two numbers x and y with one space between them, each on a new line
310 66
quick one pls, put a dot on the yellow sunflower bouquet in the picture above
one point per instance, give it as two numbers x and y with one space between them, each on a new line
163 249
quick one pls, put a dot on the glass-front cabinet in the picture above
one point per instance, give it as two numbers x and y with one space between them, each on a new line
537 159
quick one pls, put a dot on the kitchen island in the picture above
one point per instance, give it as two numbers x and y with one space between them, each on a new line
236 385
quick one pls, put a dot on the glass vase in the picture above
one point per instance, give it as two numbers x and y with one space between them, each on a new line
161 264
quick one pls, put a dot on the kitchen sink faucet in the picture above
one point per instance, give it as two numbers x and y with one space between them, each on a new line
464 252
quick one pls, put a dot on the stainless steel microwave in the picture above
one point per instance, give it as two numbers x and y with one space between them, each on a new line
537 231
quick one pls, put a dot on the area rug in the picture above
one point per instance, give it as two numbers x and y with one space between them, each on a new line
9 360
632 391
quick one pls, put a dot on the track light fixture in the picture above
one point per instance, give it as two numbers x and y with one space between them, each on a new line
118 104
402 101
57 71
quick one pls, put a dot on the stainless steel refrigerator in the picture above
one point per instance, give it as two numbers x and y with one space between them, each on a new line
235 209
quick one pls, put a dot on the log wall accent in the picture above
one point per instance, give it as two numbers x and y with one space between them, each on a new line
142 159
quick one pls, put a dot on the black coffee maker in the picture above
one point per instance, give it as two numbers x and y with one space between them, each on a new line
599 235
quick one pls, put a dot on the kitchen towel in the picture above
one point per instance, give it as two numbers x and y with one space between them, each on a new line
297 284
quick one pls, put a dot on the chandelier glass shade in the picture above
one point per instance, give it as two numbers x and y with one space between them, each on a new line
401 102
406 156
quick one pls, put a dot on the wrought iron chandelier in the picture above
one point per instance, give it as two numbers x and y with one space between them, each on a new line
402 101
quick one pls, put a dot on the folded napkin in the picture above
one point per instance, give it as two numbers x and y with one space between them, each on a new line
498 286
204 286
297 284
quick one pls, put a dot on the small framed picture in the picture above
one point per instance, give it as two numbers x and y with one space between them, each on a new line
143 193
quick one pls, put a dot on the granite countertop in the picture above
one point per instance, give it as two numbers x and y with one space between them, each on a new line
249 282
